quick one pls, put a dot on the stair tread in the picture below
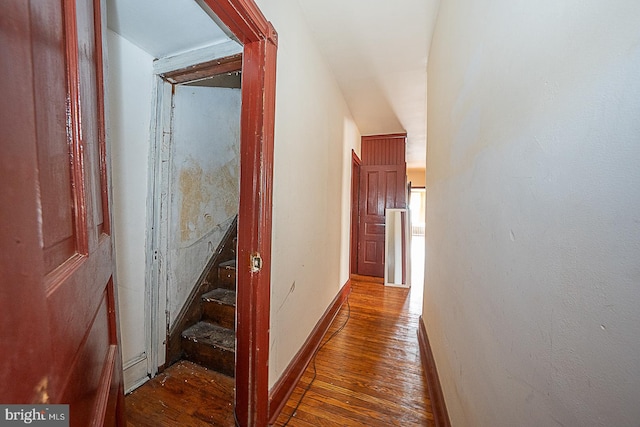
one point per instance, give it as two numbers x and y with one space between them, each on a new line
211 334
221 295
231 264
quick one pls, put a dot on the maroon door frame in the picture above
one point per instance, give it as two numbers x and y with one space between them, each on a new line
260 40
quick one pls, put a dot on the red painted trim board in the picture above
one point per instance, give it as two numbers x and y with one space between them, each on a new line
248 24
287 383
438 405
384 136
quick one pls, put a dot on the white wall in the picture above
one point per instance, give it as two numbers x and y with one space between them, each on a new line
314 136
129 89
204 183
204 187
533 212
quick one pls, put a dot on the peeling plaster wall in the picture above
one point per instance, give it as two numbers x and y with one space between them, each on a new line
314 135
532 293
129 88
204 182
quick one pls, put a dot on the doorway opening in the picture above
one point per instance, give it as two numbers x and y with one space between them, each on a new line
151 25
194 205
418 206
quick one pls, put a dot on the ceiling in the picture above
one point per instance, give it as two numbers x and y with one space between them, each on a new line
163 27
377 50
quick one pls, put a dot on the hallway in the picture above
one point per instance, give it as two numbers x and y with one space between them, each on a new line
369 373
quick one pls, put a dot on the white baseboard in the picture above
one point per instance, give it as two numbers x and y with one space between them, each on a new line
135 373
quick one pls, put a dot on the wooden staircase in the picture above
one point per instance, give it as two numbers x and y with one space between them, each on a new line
205 333
212 341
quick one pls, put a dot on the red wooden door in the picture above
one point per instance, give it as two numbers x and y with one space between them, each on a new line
381 187
57 300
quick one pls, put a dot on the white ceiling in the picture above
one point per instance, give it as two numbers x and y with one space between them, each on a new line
163 27
377 50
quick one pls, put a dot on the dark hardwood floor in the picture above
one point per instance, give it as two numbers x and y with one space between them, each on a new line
186 395
368 374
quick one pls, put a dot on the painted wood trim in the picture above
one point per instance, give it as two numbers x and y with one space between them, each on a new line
135 372
99 36
206 69
244 19
405 234
254 233
282 389
354 157
157 245
384 150
194 57
74 120
115 400
384 136
438 405
104 388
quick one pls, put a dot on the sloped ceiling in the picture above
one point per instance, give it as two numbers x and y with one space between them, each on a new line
378 51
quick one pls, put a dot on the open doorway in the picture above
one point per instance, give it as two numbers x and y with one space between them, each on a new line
140 25
194 202
417 205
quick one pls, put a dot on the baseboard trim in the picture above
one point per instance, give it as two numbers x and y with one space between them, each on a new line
135 373
440 414
283 388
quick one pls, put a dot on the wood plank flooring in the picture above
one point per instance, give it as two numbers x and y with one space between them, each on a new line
368 374
186 395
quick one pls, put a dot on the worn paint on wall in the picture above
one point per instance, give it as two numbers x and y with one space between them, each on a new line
204 182
206 196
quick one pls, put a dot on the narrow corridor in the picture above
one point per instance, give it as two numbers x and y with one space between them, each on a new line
369 373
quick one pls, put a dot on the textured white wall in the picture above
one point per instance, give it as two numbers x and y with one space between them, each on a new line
314 136
533 212
204 183
129 95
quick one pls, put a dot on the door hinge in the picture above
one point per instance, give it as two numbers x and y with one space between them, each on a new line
256 262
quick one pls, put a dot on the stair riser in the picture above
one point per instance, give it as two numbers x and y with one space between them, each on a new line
211 357
226 278
221 314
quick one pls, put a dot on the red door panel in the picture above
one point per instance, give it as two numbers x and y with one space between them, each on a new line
381 187
58 312
57 195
